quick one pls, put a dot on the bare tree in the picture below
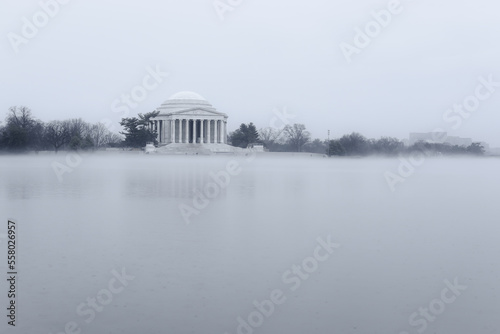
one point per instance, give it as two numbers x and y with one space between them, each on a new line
269 136
101 136
297 135
20 117
78 128
56 134
22 131
113 138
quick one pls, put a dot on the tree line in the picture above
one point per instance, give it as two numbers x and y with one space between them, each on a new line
295 138
23 132
355 144
291 138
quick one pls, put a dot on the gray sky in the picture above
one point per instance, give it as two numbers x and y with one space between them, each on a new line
263 57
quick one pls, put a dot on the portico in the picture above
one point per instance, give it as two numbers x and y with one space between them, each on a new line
187 118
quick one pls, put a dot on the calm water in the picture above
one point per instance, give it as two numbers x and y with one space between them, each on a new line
198 275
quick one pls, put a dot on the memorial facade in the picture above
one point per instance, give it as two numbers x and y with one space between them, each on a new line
187 118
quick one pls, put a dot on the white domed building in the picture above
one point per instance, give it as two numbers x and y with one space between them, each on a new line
186 121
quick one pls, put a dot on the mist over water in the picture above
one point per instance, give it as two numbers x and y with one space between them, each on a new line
199 275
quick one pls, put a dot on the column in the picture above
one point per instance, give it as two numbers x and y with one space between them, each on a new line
175 131
156 129
185 138
217 130
164 131
223 132
180 131
208 131
194 131
202 121
172 130
160 128
163 126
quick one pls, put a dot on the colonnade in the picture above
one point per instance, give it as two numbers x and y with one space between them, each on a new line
182 130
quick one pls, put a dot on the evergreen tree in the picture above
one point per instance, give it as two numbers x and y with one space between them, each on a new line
246 134
137 133
252 133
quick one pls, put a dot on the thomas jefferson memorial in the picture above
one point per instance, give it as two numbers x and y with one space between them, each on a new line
186 121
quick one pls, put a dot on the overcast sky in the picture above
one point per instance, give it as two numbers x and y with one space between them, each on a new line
265 56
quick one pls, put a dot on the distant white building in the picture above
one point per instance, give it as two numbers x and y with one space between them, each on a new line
428 137
438 138
453 140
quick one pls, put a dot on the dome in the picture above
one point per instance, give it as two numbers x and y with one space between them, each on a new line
186 95
183 101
